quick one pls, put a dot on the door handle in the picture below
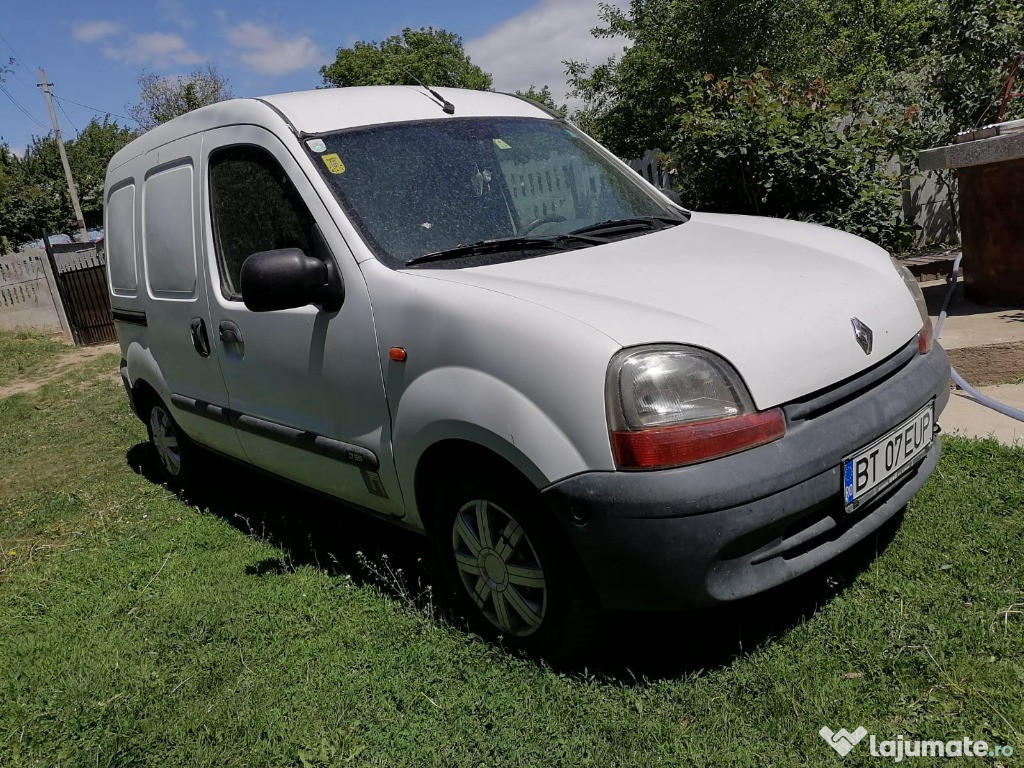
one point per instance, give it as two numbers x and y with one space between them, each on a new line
200 338
230 333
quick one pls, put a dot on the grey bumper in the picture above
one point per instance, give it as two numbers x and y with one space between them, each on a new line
736 526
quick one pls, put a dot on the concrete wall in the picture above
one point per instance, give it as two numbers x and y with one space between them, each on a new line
927 203
25 300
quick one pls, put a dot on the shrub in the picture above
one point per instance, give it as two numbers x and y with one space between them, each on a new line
750 144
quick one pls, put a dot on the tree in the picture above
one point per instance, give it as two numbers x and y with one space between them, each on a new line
973 44
859 48
33 190
543 96
164 98
432 56
761 146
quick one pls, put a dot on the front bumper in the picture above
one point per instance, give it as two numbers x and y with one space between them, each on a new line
736 526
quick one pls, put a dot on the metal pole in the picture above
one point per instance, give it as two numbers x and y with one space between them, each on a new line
63 155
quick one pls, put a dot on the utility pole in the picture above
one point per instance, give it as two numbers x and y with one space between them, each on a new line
63 155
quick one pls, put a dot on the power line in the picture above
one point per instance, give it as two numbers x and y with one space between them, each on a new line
16 56
17 60
61 106
93 109
23 110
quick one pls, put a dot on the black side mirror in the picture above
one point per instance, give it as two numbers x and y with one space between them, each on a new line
287 278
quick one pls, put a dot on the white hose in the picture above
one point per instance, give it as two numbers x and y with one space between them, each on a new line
974 394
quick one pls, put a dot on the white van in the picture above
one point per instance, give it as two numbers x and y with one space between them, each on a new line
456 311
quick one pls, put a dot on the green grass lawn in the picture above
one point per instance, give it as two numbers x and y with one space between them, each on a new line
23 353
255 625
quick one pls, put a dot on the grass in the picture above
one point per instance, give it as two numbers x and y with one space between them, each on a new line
242 627
25 353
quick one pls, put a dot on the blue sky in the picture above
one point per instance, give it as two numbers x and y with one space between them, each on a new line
93 51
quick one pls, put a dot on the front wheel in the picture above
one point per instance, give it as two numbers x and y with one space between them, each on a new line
507 569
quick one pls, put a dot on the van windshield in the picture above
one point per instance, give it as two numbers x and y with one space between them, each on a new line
432 191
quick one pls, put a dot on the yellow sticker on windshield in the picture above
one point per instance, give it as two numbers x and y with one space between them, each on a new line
333 163
501 144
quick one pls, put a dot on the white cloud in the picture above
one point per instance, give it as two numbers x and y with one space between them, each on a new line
269 53
91 31
529 49
154 49
174 11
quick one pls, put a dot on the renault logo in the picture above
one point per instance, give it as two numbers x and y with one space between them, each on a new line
863 335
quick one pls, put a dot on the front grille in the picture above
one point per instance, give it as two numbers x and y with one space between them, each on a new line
832 397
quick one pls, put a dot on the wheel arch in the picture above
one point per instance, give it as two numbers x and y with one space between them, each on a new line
457 413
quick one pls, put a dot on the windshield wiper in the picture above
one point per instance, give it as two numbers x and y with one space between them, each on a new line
614 226
505 245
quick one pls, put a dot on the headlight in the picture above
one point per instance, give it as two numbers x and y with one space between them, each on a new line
671 405
924 338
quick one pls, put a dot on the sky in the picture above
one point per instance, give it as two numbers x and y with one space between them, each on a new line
94 51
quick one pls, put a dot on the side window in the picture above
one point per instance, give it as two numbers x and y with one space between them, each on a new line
255 207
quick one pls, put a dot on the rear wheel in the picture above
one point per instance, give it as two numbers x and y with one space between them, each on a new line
174 451
507 568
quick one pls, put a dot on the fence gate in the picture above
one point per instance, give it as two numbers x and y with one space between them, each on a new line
81 275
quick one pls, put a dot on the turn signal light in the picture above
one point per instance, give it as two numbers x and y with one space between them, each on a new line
681 444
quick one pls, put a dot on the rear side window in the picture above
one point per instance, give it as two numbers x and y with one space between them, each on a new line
255 207
120 240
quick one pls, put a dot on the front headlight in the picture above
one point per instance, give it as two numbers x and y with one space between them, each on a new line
670 405
924 338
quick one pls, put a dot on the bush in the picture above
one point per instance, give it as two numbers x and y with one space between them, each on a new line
748 144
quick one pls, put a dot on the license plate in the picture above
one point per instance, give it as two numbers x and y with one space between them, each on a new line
869 471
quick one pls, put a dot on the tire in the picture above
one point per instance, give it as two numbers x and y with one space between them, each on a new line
175 453
506 568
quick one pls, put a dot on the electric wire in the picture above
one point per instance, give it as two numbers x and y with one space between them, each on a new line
93 109
24 111
64 112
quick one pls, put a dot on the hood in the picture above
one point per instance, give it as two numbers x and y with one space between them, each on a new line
775 298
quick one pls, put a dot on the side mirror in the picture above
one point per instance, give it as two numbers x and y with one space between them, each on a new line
286 278
672 195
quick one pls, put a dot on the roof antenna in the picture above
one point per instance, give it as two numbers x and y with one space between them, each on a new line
447 106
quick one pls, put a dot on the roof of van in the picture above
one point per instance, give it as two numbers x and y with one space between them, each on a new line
333 109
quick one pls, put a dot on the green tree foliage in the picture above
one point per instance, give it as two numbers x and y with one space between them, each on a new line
855 46
433 56
753 145
543 96
973 43
697 69
164 98
33 191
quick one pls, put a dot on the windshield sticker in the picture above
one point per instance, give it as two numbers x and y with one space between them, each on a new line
333 163
501 144
316 145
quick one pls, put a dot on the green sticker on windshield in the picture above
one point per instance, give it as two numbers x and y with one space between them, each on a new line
501 144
